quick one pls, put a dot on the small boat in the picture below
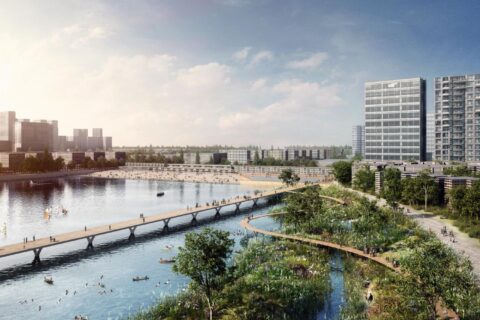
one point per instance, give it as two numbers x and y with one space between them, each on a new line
160 194
48 280
80 317
167 260
137 278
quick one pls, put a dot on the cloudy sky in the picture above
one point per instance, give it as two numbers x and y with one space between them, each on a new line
264 72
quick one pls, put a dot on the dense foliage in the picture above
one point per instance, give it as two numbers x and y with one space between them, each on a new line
392 186
432 270
268 280
43 162
364 180
288 177
342 170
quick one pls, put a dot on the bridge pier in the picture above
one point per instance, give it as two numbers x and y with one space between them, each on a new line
217 211
194 217
165 223
254 203
36 258
132 233
90 242
237 209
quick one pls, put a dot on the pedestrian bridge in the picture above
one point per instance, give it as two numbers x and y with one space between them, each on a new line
91 233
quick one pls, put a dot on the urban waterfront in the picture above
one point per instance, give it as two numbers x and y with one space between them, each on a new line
98 283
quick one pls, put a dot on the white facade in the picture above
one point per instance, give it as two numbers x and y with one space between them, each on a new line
395 120
430 136
240 156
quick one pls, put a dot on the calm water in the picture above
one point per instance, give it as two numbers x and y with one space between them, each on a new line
95 202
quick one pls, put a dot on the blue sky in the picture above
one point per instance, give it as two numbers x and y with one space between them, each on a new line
265 72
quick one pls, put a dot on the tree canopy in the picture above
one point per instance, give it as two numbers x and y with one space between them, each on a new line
364 180
392 186
289 177
342 170
204 260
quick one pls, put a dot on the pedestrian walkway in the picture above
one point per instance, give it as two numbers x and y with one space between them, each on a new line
463 244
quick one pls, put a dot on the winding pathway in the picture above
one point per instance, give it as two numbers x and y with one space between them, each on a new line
464 244
450 314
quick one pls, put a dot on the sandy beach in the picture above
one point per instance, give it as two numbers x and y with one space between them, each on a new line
205 177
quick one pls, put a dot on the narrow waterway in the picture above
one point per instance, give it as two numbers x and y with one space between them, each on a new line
98 283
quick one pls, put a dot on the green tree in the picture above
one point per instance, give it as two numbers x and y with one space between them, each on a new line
456 199
364 180
289 177
428 187
302 206
342 170
256 158
204 260
471 203
392 186
409 191
197 157
435 271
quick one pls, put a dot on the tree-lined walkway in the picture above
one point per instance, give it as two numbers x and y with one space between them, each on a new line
470 247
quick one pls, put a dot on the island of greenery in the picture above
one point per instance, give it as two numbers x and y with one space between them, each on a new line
280 279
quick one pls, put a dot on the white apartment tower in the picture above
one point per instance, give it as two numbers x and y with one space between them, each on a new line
395 120
457 118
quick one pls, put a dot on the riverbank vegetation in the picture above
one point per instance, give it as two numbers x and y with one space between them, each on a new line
461 203
431 272
266 280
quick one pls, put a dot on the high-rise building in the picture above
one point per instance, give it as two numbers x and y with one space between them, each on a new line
358 140
457 118
97 132
33 136
395 122
7 131
430 136
107 143
80 139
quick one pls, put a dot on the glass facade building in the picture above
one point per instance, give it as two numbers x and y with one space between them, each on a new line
457 118
395 120
358 140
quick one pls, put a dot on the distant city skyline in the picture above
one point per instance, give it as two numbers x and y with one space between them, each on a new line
234 72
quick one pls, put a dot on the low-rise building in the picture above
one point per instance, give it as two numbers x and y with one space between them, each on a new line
239 156
12 160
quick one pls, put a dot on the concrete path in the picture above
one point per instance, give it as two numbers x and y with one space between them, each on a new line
463 244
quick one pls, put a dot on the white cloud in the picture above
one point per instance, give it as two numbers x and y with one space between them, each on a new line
310 63
242 54
261 56
259 83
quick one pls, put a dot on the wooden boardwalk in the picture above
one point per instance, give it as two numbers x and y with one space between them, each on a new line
441 311
90 233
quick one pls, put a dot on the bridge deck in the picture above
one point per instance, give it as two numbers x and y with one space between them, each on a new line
41 243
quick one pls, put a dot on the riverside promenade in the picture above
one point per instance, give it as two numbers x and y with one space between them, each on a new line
90 233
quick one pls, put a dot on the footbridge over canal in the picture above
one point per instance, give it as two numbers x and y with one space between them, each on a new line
91 233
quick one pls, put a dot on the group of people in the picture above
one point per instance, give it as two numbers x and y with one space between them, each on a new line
450 234
187 176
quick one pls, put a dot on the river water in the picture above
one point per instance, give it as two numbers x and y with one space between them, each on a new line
98 283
